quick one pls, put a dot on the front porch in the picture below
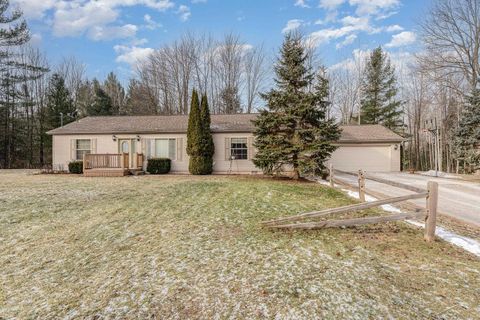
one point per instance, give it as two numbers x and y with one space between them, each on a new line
112 165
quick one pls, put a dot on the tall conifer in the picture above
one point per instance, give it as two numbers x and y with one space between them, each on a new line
200 146
379 89
294 131
467 136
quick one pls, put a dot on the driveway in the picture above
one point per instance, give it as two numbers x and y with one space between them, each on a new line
457 199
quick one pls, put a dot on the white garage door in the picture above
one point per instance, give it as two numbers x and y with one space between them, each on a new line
377 158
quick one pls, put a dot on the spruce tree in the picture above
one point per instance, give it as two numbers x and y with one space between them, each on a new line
102 104
59 103
378 104
293 131
114 89
467 136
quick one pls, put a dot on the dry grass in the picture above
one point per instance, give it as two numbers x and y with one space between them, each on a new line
175 247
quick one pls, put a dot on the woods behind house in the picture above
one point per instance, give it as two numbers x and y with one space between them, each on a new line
433 91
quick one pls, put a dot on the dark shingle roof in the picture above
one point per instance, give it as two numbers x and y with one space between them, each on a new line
153 124
220 123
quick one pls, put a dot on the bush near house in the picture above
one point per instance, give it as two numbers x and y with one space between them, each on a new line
75 167
159 165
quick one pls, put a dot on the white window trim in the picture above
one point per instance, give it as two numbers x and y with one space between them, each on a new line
153 147
77 149
230 148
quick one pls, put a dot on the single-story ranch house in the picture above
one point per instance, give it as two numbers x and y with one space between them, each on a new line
367 147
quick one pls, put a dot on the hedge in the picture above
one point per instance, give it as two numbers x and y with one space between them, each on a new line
75 167
158 165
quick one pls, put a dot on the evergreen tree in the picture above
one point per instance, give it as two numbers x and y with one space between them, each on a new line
59 103
194 127
199 139
294 130
102 103
59 107
15 99
378 104
467 137
207 146
114 89
230 101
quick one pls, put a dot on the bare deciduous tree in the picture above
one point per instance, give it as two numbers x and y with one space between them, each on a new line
451 34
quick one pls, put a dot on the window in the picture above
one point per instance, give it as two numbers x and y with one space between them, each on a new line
82 147
166 148
238 148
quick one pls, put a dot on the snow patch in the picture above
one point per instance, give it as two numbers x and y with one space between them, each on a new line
465 243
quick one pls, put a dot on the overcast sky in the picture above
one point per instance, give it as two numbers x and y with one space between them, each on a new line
110 35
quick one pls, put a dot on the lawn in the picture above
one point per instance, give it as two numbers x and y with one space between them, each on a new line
176 247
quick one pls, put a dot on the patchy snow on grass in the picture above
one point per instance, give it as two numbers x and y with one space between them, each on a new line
465 243
186 247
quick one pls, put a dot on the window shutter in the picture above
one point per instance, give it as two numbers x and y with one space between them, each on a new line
93 146
143 146
150 148
227 149
250 150
73 149
179 149
172 146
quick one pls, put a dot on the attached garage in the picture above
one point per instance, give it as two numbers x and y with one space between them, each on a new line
371 148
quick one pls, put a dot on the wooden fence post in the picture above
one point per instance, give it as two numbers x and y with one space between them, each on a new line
361 185
330 176
431 219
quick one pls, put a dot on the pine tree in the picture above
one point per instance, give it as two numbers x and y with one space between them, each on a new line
230 101
467 136
294 130
59 103
114 89
60 109
15 73
102 103
378 104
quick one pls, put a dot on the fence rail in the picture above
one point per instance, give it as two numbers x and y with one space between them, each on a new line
431 195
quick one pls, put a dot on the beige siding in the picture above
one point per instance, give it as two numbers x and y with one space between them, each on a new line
221 164
62 154
373 157
366 157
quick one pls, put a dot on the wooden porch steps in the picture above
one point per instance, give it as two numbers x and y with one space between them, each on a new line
106 172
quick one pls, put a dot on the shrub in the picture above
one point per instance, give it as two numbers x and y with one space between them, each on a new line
75 167
200 165
158 165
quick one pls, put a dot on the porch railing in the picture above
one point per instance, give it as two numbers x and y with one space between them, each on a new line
139 160
111 160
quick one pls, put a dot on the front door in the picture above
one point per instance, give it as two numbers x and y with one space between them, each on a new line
128 146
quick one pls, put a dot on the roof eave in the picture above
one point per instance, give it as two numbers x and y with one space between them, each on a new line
372 141
53 133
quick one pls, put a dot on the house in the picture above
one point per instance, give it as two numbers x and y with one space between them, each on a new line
368 147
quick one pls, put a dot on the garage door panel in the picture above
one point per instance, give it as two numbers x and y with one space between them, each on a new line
365 158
